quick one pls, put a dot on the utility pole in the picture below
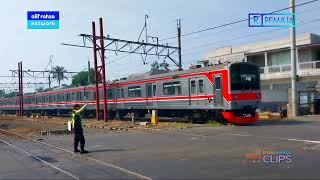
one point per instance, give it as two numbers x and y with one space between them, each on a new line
103 69
88 71
96 73
21 76
19 90
179 43
293 61
49 81
145 25
20 93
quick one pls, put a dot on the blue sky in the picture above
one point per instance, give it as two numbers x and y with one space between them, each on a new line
124 19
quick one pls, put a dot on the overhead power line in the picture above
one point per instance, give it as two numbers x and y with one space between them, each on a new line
249 35
235 22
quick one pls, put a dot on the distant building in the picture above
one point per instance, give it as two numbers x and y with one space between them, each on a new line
273 57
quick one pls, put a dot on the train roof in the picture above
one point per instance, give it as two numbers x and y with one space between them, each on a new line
172 73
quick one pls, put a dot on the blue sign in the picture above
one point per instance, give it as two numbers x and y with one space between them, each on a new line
43 19
271 20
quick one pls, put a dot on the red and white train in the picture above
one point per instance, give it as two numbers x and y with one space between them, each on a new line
228 91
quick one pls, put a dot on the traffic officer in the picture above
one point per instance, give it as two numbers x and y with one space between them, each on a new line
77 128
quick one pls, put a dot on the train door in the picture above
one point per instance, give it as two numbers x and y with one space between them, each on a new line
217 90
151 94
119 96
193 92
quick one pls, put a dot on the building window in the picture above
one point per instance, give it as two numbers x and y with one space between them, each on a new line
193 86
201 86
134 91
258 59
279 58
172 88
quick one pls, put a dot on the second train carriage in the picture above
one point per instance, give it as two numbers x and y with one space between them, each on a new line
231 91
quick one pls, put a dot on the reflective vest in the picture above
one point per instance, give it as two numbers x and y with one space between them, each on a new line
75 119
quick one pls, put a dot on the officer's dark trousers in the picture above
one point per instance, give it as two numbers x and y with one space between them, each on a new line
78 137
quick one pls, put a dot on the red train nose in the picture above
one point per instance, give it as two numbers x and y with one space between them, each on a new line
234 119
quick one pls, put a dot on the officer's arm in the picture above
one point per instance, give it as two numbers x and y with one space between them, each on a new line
82 108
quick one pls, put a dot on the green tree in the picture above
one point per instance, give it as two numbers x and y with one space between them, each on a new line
11 94
59 74
81 79
2 93
42 89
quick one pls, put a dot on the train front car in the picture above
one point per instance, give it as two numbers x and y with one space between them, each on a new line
244 93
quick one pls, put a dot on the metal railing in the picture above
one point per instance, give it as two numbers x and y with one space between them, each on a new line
287 67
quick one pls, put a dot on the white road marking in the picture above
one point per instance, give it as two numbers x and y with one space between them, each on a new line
41 160
302 140
278 138
236 134
250 135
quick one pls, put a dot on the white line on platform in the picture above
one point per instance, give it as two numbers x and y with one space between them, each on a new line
41 160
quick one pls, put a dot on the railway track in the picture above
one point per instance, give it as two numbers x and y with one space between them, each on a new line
66 161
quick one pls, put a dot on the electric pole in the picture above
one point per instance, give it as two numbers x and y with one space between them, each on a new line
293 60
49 81
103 69
88 71
96 72
179 43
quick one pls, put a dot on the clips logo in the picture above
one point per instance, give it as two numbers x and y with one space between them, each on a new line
270 157
43 19
271 20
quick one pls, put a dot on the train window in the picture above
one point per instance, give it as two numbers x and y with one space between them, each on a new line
122 93
78 96
73 98
87 95
172 88
244 77
149 90
193 86
118 95
109 94
154 90
201 86
217 82
134 91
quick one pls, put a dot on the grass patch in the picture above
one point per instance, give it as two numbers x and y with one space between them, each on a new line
214 124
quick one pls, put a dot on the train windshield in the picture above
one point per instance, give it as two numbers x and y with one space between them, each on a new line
244 77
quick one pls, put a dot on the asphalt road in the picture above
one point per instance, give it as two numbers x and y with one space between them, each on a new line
224 152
